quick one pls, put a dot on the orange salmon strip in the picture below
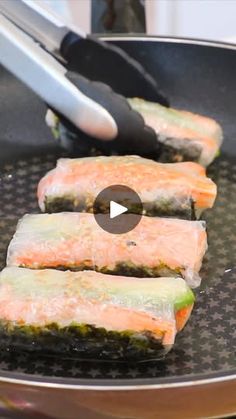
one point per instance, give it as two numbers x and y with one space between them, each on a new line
155 247
166 188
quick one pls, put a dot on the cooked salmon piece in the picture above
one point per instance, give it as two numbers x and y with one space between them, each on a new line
90 314
185 135
155 247
179 190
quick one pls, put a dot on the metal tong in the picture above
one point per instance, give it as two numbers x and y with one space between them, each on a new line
92 107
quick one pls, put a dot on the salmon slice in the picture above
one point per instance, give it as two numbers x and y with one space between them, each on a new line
177 190
155 247
88 313
187 135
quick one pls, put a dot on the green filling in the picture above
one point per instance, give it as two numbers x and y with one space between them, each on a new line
142 271
184 301
122 292
55 133
80 341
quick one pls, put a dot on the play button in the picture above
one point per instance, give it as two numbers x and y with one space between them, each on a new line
117 209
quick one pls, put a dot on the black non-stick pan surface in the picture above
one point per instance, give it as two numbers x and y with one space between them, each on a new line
200 78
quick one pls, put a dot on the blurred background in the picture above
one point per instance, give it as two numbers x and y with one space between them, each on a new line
202 19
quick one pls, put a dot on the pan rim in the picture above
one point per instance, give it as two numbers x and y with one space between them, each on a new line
171 39
114 384
129 384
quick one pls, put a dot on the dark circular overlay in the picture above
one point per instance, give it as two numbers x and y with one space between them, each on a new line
121 195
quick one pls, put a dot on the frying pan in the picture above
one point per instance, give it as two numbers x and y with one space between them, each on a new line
198 377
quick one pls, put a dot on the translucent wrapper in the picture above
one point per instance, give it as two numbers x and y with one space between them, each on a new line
155 247
185 135
177 190
88 314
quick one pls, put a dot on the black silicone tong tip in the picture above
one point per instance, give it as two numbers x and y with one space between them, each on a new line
134 137
98 60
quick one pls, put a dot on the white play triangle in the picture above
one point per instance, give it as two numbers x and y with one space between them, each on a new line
116 209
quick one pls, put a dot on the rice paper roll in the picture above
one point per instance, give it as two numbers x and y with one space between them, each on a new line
91 315
180 190
184 135
155 247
